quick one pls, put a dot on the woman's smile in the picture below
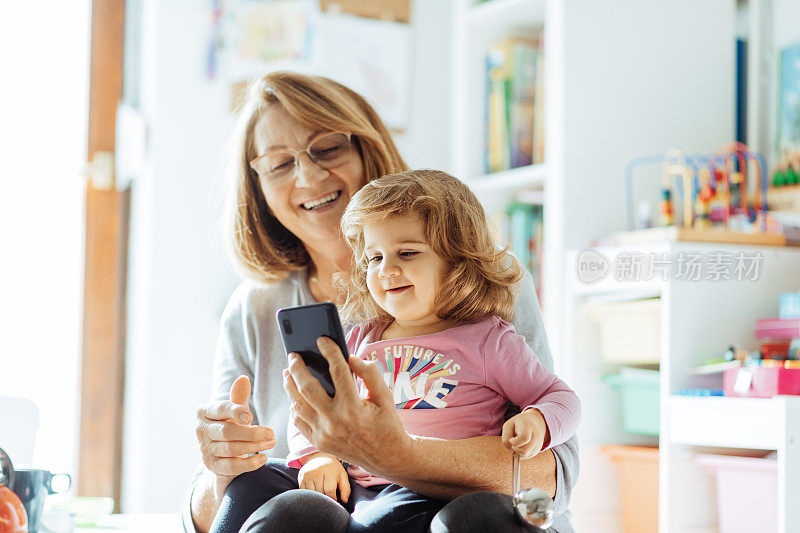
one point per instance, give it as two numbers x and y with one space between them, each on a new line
322 203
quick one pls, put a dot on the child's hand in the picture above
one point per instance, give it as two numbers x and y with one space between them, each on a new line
323 473
525 433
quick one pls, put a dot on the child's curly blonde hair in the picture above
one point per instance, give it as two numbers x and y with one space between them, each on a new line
481 276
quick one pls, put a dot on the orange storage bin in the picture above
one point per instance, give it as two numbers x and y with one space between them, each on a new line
638 475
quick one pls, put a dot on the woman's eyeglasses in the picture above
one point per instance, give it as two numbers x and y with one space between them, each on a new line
326 151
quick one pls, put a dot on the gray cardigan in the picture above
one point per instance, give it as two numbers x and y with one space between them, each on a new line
250 344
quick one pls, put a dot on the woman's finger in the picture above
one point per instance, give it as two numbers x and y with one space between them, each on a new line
237 448
300 409
339 369
307 385
231 431
303 428
233 466
295 396
296 410
371 375
290 386
240 395
224 410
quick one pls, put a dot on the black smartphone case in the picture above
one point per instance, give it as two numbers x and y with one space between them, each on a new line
300 328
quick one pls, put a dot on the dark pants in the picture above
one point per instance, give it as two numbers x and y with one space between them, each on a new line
268 499
480 512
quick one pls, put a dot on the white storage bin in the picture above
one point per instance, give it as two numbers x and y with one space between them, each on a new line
747 492
630 331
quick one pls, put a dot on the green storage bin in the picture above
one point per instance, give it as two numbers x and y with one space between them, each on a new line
640 399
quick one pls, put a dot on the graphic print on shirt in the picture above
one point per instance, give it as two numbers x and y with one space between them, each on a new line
419 377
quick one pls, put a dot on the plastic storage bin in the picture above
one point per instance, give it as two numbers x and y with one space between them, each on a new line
747 492
639 390
630 332
761 381
638 476
790 305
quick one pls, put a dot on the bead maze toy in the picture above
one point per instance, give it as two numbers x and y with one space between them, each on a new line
713 194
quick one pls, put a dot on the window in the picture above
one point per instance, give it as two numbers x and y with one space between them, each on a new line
43 105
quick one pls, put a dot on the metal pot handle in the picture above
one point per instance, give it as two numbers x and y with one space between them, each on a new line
65 485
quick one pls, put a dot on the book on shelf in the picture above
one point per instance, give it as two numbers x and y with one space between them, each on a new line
788 134
741 90
520 228
514 104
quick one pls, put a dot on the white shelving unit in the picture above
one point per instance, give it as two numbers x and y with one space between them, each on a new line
476 28
623 81
699 319
771 424
513 179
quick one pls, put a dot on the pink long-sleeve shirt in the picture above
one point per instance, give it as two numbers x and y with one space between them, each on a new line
457 384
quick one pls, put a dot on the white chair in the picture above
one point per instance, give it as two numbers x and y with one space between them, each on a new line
19 420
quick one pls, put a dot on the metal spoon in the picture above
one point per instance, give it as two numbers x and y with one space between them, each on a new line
532 506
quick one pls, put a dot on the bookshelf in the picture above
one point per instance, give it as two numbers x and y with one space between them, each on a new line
618 85
505 13
476 28
515 179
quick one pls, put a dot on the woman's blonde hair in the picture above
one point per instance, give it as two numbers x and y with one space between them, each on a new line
261 246
481 276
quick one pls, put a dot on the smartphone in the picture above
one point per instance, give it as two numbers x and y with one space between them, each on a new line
301 327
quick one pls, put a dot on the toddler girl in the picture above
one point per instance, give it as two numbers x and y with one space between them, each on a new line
434 297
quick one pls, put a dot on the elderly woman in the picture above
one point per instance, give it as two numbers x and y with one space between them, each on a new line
304 146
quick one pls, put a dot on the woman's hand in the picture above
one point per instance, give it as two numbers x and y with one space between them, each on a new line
324 473
525 433
357 430
227 441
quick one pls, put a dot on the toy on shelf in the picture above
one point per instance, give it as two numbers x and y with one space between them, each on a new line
787 171
702 204
712 192
674 165
784 195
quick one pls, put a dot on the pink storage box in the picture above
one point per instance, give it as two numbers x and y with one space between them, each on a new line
778 328
764 382
747 492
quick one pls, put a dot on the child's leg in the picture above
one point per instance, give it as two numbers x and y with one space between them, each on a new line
394 509
248 491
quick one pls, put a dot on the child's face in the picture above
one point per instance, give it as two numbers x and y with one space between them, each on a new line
404 274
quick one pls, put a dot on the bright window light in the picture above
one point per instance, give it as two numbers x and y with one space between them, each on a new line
43 116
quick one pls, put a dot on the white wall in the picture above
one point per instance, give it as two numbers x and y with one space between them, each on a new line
634 80
179 278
